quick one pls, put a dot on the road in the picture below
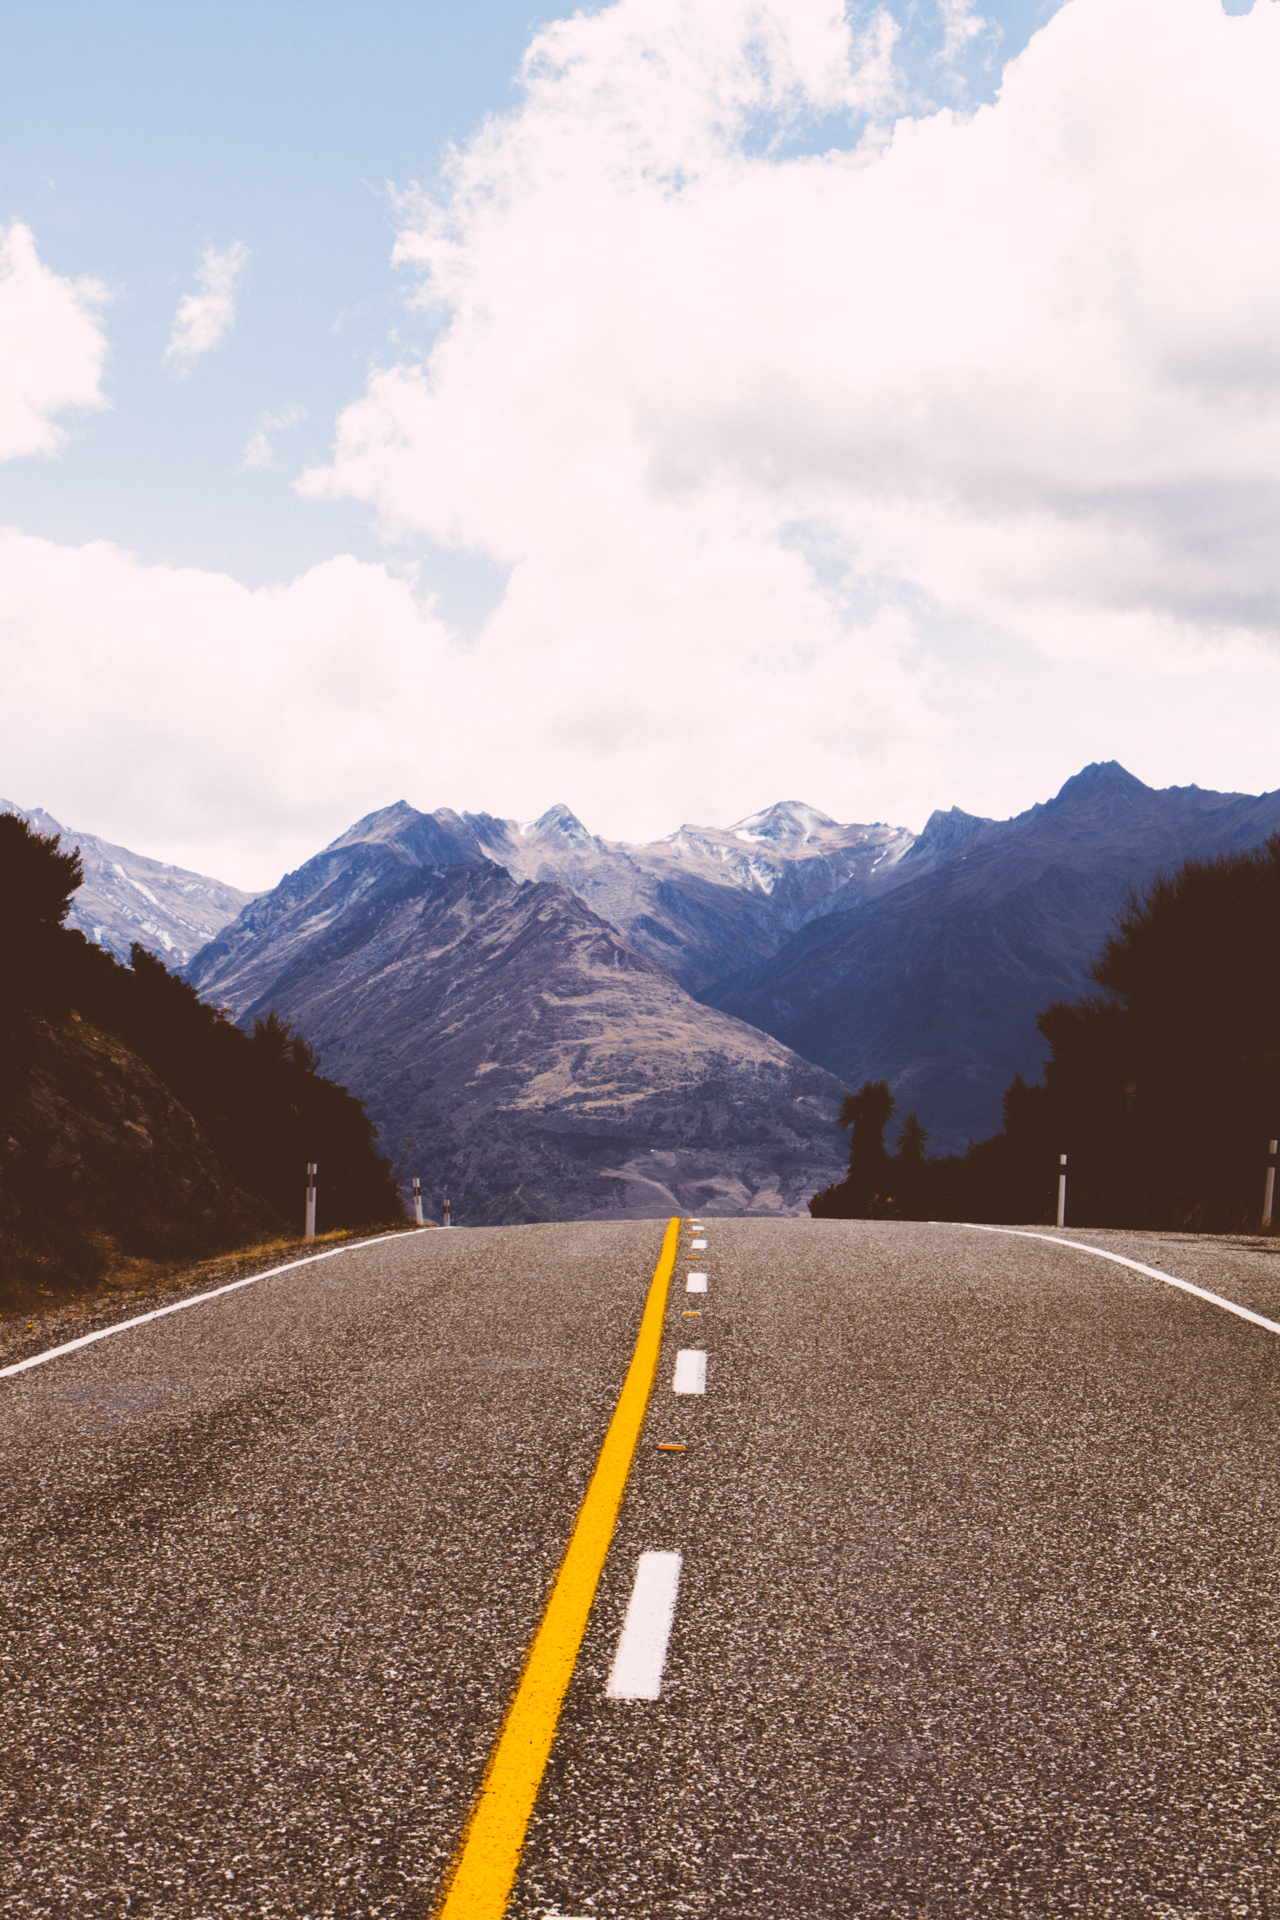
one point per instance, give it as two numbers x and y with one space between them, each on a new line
978 1607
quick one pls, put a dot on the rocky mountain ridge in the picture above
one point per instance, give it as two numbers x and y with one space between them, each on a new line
934 980
869 951
515 1048
126 897
842 950
697 901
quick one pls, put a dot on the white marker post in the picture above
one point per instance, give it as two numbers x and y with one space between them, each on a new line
310 1232
417 1201
448 1222
1270 1193
1062 1190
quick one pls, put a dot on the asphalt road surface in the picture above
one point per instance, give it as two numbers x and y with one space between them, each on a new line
978 1607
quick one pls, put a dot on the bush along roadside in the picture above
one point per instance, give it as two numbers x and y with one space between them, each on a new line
138 1123
1162 1088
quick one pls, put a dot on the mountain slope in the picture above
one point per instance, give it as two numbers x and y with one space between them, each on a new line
127 896
696 902
934 981
544 1066
867 950
703 897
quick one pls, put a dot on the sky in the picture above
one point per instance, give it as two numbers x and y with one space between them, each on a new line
665 408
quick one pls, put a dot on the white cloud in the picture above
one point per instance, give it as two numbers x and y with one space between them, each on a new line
237 730
204 318
961 23
260 452
183 713
881 478
1023 364
52 346
232 729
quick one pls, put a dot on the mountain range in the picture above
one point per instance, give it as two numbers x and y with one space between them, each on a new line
127 897
535 1006
932 977
551 1024
513 1045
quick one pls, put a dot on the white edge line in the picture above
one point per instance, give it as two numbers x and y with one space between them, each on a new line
1101 1253
196 1300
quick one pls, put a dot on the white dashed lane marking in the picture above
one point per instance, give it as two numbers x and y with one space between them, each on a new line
642 1646
697 1246
696 1283
691 1371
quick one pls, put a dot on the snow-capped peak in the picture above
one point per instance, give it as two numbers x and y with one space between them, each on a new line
783 824
557 823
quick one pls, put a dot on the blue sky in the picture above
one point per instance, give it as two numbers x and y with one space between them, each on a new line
132 136
932 616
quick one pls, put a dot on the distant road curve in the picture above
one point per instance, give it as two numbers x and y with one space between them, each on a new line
949 1580
1139 1266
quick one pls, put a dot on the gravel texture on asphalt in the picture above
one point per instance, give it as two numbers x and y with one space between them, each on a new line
979 1612
51 1321
1241 1267
271 1565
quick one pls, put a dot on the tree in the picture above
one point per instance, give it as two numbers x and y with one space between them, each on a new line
1162 1088
1177 1071
37 881
908 1176
259 1100
863 1190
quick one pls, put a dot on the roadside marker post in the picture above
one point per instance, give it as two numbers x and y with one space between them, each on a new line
417 1201
310 1231
1062 1190
448 1222
1270 1193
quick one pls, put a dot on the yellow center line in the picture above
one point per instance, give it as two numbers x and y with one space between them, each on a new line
485 1866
